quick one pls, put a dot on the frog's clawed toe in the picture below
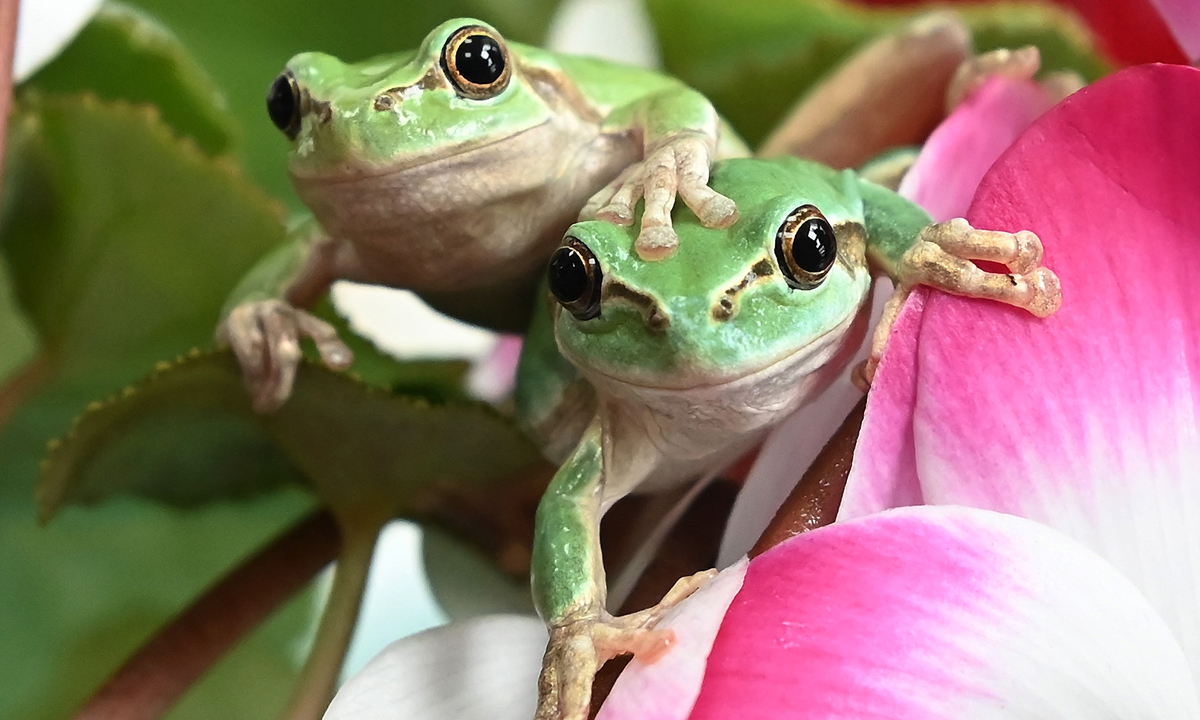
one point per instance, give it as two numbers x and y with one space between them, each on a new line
265 336
1046 293
679 167
577 650
1022 63
941 258
579 647
657 243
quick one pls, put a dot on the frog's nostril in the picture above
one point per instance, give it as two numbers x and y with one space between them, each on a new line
283 105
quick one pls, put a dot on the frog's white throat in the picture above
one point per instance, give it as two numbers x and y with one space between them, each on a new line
669 435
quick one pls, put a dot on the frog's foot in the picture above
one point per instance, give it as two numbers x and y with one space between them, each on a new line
678 166
941 258
579 647
1021 64
265 336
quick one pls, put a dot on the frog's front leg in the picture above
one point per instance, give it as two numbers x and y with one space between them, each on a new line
264 323
680 131
941 258
569 589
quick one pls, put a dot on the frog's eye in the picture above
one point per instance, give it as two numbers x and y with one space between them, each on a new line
575 278
283 104
805 247
476 62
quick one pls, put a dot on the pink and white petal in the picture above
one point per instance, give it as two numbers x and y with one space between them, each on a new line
1183 19
958 153
485 668
943 181
667 688
1087 420
940 614
493 377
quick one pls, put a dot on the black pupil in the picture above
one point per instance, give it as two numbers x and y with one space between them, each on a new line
281 102
568 275
814 247
479 60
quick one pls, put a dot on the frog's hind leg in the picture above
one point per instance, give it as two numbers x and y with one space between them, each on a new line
941 258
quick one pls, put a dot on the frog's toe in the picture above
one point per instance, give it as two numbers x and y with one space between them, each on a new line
1046 292
570 663
657 243
1022 64
717 211
616 213
647 644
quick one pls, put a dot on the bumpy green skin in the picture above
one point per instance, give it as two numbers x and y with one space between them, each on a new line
438 121
771 323
567 545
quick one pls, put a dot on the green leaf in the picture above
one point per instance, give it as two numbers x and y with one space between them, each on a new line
188 435
122 243
755 62
246 44
79 597
18 341
184 437
124 54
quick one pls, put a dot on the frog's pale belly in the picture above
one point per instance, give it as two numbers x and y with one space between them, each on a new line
656 438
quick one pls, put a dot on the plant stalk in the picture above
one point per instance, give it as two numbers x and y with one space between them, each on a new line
318 680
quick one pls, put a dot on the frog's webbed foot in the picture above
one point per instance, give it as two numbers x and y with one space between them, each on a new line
1021 64
941 258
680 167
265 336
578 648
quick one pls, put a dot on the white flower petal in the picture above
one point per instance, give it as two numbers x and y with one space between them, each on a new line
44 28
482 669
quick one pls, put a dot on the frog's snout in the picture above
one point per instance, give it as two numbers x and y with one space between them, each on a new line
288 103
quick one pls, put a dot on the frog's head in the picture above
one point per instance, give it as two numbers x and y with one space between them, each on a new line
461 89
784 283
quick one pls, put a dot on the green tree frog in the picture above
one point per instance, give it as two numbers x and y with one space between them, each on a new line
647 375
453 170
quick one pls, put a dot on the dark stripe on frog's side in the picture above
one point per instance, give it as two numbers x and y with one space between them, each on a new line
727 305
557 89
389 98
652 312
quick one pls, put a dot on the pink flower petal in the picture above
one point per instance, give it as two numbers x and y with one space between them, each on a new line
493 377
1183 18
964 146
667 689
1086 421
940 614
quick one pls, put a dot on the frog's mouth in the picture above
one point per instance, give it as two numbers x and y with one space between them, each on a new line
457 158
830 351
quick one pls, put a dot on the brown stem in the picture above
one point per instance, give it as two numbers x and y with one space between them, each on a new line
814 502
24 381
167 666
8 44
